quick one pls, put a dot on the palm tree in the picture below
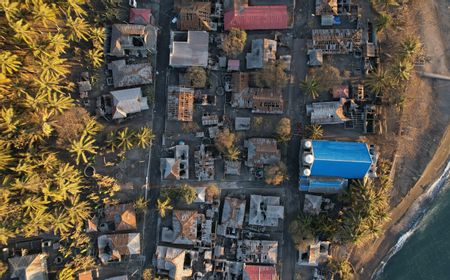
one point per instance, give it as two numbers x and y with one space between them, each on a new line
314 131
379 81
5 85
67 273
95 57
92 127
9 123
10 8
144 137
9 62
386 4
384 21
410 47
78 211
5 235
75 6
83 146
33 205
233 153
343 268
5 158
52 67
401 71
162 206
23 31
125 139
60 223
110 141
57 43
43 13
310 87
57 103
98 36
78 29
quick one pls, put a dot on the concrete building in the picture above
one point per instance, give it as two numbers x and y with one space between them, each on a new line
261 151
262 51
326 166
261 17
336 41
129 75
176 263
132 39
267 100
204 164
232 219
193 15
119 217
118 247
183 230
176 168
313 253
189 49
122 103
180 104
265 211
331 112
28 267
257 251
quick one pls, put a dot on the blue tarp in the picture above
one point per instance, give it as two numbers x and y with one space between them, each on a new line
350 160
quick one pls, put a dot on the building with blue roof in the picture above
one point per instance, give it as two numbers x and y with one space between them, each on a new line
326 166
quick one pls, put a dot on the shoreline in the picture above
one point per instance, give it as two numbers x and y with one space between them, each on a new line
368 258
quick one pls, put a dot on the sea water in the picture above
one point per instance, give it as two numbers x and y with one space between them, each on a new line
423 252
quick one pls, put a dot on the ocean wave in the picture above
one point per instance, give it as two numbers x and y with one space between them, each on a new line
416 215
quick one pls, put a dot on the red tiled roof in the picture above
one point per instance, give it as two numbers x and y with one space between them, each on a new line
259 272
140 16
258 18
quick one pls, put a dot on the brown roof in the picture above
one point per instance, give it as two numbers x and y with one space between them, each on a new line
188 223
194 15
180 104
123 216
239 81
86 275
269 101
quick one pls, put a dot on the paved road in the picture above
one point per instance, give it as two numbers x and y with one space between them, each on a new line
159 114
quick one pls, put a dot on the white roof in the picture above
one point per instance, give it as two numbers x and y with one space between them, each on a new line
193 52
128 101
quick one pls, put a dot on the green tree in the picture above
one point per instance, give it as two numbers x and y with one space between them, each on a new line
310 87
273 75
341 268
410 48
140 204
163 205
275 174
196 76
384 22
83 147
401 71
77 29
234 42
314 131
380 81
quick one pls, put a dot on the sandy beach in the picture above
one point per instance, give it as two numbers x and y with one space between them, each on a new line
423 142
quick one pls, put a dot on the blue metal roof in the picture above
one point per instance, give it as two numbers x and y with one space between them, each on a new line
322 186
350 160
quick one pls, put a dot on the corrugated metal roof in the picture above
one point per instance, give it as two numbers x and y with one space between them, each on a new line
350 160
259 272
257 18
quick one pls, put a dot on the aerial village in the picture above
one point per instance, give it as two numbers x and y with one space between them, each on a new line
252 118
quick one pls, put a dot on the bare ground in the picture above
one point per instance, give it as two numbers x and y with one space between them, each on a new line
422 145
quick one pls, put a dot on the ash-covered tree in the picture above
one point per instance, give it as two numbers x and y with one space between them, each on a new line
196 76
283 130
224 140
234 42
273 75
275 174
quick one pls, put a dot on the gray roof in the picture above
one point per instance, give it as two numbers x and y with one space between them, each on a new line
29 267
265 210
128 101
193 52
327 112
257 251
130 75
241 123
312 204
315 58
233 212
255 57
